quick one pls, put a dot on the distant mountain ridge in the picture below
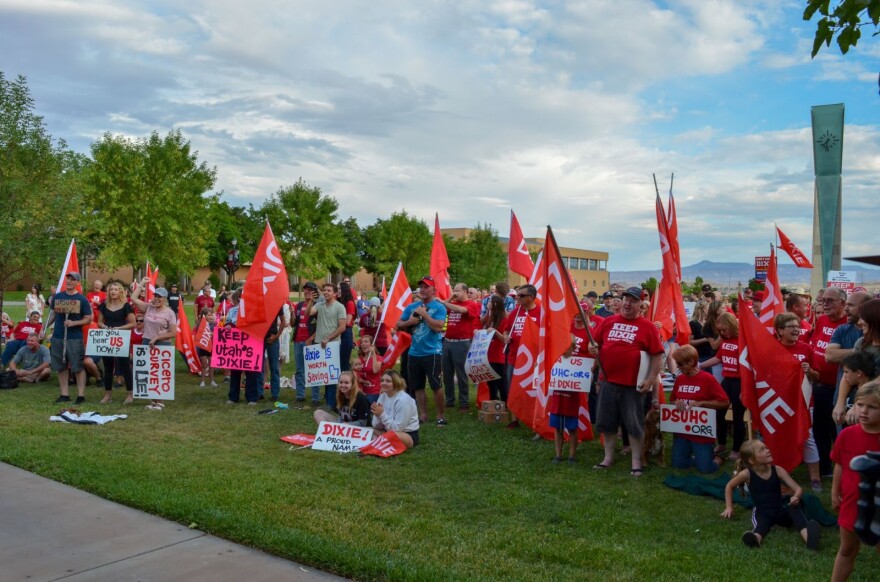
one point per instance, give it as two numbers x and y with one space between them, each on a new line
727 275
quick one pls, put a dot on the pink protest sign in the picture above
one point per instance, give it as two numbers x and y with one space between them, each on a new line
236 350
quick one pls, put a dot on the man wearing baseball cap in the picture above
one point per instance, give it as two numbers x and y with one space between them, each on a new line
607 300
621 341
424 319
69 313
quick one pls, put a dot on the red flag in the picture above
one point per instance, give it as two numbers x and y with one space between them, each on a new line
300 439
384 293
772 304
440 263
771 390
668 302
400 297
184 343
672 233
559 306
537 277
204 336
518 258
153 276
386 445
482 394
797 255
399 342
71 265
265 290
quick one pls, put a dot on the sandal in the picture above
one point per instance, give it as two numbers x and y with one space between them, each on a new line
636 472
601 466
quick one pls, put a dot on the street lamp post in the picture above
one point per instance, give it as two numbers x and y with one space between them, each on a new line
233 261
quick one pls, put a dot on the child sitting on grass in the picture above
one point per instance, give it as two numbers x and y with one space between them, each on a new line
755 467
695 387
851 442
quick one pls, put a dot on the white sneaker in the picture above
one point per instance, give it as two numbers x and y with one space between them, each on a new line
213 384
202 385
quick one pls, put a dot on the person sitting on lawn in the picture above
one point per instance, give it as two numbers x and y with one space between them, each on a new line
396 410
695 387
20 334
352 404
755 467
31 362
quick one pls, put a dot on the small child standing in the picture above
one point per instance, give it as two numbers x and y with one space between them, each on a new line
564 407
755 467
851 442
858 369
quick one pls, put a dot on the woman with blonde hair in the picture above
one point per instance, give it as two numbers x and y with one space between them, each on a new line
116 313
352 404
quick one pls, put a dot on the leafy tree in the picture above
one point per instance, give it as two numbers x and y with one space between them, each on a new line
845 21
149 200
650 285
477 259
695 289
305 226
40 203
350 258
401 238
231 223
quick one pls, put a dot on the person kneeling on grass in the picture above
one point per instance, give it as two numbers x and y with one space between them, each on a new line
695 387
755 467
352 404
396 410
31 362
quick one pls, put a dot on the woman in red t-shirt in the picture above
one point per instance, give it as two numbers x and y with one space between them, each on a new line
368 368
495 314
728 356
346 344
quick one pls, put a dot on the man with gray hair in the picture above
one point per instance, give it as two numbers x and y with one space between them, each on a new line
31 362
824 431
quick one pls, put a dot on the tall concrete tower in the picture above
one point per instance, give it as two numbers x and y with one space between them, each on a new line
828 161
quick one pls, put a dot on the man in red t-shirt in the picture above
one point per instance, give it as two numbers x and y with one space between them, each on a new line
96 296
513 325
824 431
462 318
204 299
621 341
304 335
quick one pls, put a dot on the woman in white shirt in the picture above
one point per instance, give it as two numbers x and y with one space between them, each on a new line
396 410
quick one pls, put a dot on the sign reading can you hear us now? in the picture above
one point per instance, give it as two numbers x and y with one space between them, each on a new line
112 343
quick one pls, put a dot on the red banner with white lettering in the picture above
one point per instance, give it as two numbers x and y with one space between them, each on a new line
771 390
204 336
153 276
440 263
399 342
668 308
559 307
385 445
71 265
398 299
184 342
796 254
518 258
265 290
300 439
772 304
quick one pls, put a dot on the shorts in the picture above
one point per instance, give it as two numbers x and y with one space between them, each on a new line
74 356
423 368
203 353
620 405
414 435
558 421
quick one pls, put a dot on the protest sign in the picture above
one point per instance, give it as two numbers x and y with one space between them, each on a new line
152 370
571 374
204 336
322 364
689 308
112 343
234 349
846 280
385 445
299 439
341 438
761 266
694 421
476 365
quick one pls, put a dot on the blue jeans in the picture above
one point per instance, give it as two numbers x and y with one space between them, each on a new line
687 454
299 375
272 353
253 385
12 347
346 346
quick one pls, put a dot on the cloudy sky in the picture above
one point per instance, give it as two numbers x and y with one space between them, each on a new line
559 110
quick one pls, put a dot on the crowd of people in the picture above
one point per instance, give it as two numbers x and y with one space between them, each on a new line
836 339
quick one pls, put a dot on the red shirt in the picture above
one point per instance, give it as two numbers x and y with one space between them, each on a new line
203 301
564 403
369 381
851 442
96 298
698 388
514 324
374 329
301 333
819 340
350 309
462 325
621 342
728 353
24 329
806 331
802 352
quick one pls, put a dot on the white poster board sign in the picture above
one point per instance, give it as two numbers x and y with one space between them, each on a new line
322 364
477 366
846 280
152 370
572 374
341 438
689 308
111 343
694 421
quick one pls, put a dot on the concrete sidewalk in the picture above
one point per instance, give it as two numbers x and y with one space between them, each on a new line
50 531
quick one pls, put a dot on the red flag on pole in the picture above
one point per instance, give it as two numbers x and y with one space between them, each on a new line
518 258
204 336
153 276
71 265
771 390
797 255
440 263
184 342
559 307
672 233
384 293
398 300
265 290
668 303
772 304
399 342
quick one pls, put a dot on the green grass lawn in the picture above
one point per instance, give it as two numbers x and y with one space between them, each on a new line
472 501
